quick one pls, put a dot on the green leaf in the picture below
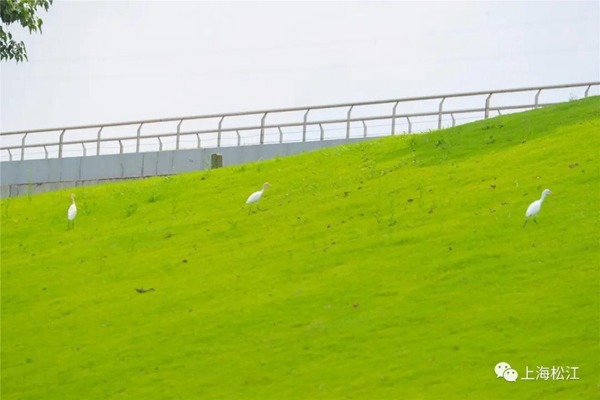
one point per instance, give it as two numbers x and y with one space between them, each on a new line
24 12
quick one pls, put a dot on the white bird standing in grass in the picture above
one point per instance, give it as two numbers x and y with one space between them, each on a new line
72 213
535 207
255 197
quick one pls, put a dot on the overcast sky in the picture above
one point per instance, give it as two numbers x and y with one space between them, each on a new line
105 61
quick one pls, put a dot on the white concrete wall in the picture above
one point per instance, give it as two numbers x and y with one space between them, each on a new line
19 178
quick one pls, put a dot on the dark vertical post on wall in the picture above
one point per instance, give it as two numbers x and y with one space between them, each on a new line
216 160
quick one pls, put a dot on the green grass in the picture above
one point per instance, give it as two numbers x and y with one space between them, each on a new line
389 269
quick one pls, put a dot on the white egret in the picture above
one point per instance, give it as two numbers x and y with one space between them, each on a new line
72 213
255 197
535 207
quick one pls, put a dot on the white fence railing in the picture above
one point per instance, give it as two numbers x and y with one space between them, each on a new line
333 121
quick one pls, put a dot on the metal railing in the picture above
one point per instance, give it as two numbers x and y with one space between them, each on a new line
303 124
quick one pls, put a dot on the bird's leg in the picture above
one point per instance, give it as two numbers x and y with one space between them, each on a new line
68 224
526 219
534 220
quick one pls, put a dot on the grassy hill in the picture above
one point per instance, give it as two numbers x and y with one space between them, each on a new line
396 268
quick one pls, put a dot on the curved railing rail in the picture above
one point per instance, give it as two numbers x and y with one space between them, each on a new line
17 150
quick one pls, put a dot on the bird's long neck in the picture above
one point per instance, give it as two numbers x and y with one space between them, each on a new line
543 197
73 200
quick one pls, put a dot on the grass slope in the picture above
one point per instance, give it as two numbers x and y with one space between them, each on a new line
390 269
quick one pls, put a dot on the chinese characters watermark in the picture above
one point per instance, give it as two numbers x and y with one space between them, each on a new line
504 370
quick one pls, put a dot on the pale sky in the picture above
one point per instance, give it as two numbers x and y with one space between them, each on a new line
111 61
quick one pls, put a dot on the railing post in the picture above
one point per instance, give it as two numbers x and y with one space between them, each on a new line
239 137
219 133
348 123
23 146
440 113
587 91
139 135
409 125
199 142
499 113
98 141
46 151
487 106
178 134
537 96
121 146
365 128
160 147
9 155
322 132
394 119
280 134
453 120
84 149
304 126
60 143
262 129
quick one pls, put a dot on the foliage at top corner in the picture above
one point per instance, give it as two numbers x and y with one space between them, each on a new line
23 12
